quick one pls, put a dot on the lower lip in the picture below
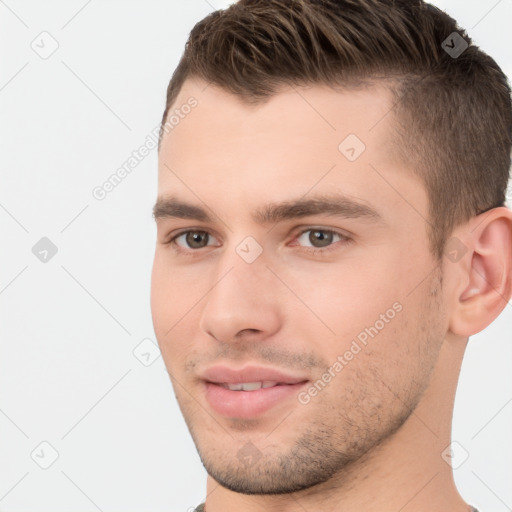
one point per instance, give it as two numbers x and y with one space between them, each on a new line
249 404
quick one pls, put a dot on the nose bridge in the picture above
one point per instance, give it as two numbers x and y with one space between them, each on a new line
240 297
242 268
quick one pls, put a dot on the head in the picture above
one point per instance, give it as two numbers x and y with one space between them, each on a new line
332 209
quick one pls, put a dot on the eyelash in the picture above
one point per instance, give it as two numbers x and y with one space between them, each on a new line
344 240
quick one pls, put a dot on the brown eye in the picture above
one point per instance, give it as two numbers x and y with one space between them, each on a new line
320 237
193 240
196 239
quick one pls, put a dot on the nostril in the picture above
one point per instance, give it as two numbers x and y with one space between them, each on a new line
245 332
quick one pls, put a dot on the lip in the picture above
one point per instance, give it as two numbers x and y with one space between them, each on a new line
248 404
221 374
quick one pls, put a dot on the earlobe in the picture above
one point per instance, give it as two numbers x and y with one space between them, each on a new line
488 272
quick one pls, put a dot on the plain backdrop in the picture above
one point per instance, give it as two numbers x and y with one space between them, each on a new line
88 419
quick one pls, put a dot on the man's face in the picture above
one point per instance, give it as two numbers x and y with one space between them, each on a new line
291 257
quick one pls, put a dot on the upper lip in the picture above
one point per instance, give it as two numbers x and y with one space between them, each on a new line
221 374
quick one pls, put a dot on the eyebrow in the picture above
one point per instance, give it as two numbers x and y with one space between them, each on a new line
335 205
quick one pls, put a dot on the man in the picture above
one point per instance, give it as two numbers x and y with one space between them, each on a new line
331 230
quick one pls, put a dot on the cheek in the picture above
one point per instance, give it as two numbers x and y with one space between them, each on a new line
365 306
175 305
161 294
346 298
174 291
165 301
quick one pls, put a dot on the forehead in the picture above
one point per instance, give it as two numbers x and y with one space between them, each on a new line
300 111
299 141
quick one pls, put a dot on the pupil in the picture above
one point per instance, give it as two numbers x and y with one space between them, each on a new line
320 238
197 239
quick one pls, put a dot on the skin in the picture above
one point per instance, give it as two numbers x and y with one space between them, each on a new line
372 438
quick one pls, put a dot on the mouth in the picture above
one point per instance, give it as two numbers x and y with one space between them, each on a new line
251 391
250 386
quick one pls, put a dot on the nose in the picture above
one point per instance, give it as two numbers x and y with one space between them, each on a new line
242 302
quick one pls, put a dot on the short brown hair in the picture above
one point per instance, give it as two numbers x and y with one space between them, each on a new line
452 113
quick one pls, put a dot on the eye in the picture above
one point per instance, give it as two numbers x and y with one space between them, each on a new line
319 238
193 239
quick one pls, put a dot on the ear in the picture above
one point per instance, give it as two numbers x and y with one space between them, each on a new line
482 271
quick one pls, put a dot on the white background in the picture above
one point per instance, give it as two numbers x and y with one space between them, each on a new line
68 327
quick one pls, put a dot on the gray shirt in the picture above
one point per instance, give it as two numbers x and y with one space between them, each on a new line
201 508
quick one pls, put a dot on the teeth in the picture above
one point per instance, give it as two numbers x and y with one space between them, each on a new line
250 386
